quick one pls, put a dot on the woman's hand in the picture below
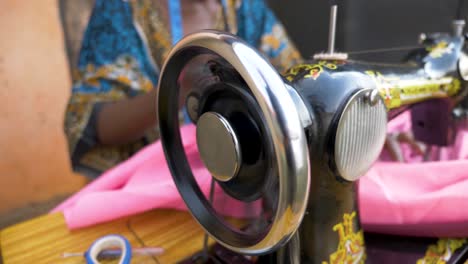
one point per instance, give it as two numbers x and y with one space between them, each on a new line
393 145
126 120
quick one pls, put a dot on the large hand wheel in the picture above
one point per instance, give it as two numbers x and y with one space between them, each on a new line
249 135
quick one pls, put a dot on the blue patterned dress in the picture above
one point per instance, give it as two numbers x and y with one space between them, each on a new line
124 46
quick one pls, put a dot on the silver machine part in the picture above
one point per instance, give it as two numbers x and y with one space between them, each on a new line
290 152
218 146
192 106
331 54
332 29
304 113
463 66
291 253
458 27
360 134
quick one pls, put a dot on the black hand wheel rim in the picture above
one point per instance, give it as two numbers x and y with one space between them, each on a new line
286 131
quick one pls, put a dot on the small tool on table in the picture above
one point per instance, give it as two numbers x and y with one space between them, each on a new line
111 247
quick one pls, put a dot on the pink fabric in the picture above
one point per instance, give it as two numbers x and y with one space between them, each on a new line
417 198
423 199
142 183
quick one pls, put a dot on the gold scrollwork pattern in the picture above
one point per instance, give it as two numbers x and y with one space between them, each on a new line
351 248
442 251
397 92
310 70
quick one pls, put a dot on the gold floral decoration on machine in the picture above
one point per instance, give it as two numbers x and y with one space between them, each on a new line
351 247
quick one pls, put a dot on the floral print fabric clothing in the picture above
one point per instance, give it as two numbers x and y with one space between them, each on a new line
124 46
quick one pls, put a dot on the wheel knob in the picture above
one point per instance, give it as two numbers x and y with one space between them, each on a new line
218 146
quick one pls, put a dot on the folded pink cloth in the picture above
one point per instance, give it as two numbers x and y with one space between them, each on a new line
422 199
142 183
417 198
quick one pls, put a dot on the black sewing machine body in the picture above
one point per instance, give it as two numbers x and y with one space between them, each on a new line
298 142
430 84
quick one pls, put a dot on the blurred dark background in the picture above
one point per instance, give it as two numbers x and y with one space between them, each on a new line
362 24
365 24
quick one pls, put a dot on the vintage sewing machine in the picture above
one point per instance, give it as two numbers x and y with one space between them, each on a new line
289 148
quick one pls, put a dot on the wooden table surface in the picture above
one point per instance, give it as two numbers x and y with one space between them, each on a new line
46 238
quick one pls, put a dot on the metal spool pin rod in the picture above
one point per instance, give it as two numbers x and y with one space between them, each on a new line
331 54
332 29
